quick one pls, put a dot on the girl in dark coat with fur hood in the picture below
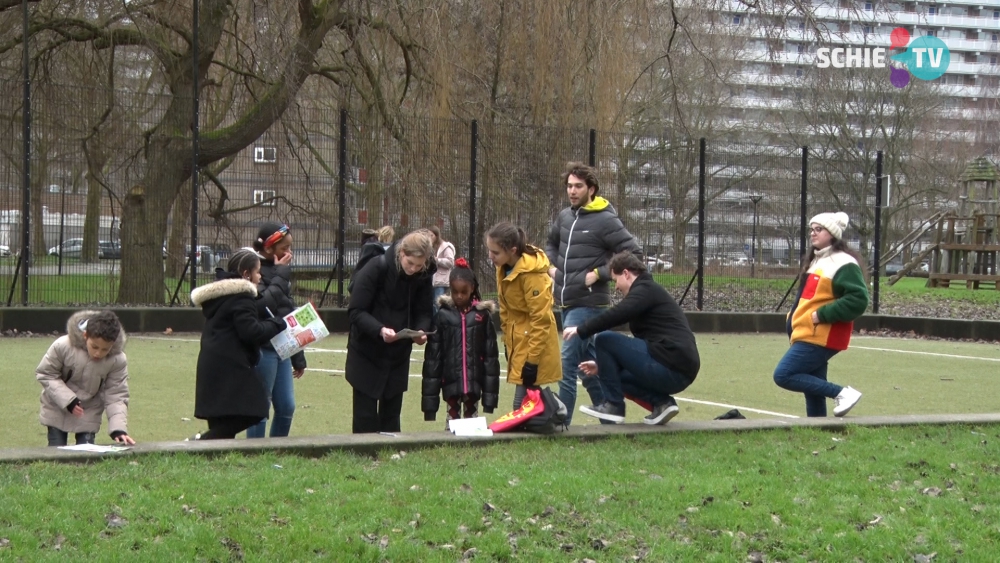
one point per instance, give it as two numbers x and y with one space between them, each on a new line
229 392
462 361
391 292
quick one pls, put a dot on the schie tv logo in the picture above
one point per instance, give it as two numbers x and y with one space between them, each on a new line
926 57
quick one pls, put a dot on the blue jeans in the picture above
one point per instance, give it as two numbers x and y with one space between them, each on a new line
803 369
438 292
575 351
277 376
626 367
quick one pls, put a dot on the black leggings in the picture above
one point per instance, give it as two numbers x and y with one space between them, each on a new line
376 415
227 427
59 438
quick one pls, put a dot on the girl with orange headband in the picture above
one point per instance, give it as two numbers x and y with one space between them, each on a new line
274 246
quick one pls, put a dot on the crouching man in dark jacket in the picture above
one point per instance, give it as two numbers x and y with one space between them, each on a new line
660 361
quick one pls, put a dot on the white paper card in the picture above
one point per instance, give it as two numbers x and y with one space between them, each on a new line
469 427
95 448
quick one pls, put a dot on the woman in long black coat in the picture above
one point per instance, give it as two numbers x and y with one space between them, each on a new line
391 292
229 393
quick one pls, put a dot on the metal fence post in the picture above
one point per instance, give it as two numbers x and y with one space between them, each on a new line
701 224
26 186
342 200
194 145
473 164
877 258
804 203
592 148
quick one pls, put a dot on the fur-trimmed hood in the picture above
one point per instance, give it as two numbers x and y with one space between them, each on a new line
77 324
446 302
222 288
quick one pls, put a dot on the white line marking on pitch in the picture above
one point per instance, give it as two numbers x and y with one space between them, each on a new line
710 403
724 405
340 371
926 353
335 351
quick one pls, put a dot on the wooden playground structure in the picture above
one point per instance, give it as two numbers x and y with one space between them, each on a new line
966 242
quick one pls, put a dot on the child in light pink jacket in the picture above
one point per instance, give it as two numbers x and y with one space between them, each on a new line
84 374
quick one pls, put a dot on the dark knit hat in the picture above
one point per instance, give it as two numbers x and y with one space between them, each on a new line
267 232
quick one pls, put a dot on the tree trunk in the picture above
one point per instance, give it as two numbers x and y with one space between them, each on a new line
96 160
145 212
680 241
177 251
39 177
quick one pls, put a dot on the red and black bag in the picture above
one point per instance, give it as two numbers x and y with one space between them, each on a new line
541 412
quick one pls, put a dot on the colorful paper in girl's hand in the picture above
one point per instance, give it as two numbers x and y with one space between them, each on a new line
304 327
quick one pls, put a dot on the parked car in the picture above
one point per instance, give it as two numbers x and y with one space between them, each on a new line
4 250
658 263
222 252
70 248
896 266
109 250
205 258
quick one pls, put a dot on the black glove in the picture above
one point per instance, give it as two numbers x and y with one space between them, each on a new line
529 374
430 416
117 434
488 410
73 404
299 360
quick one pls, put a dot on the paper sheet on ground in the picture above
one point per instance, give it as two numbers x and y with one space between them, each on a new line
469 427
95 448
304 328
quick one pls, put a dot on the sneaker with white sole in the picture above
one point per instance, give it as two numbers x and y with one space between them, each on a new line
193 438
607 411
846 400
662 413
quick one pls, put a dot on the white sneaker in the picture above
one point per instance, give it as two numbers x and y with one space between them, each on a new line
848 397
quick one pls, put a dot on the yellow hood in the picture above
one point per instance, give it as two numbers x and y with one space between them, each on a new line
596 204
531 263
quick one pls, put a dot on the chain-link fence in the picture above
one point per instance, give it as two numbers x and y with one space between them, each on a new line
722 229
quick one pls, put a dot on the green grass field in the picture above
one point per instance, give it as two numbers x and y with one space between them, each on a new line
863 494
896 376
860 494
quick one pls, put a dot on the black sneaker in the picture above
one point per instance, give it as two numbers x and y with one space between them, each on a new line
607 411
662 413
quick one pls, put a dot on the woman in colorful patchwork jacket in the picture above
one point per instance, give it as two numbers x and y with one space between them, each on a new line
832 294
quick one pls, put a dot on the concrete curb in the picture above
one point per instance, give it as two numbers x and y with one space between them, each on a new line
371 444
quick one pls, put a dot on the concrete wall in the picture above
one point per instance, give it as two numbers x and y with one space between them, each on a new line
189 319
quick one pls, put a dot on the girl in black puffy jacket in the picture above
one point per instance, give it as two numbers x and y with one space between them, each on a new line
462 360
274 299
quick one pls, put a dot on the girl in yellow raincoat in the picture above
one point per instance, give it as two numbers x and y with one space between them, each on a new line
530 333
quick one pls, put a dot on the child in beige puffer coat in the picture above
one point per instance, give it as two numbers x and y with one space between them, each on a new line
84 374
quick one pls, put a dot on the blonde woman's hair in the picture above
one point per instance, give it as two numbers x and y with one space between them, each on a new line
415 245
386 234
